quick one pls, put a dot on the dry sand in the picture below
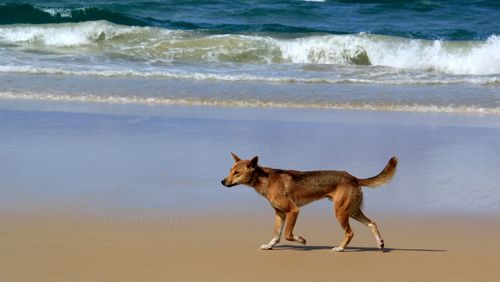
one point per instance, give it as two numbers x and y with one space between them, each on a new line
49 246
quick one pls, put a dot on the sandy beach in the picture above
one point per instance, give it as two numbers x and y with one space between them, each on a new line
224 247
132 193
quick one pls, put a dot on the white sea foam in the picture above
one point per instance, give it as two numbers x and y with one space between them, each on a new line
62 12
107 44
200 75
64 35
251 103
476 58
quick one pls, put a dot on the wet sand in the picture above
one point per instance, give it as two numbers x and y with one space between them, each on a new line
132 193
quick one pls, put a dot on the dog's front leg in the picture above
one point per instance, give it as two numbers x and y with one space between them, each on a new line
290 224
279 221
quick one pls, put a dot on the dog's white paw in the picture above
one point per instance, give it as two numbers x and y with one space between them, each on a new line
299 239
266 247
338 249
381 244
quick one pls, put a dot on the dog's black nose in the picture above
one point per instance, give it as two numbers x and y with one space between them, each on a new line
223 182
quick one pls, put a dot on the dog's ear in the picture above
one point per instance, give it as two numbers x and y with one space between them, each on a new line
253 162
236 158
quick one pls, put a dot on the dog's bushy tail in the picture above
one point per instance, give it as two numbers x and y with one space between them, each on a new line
383 177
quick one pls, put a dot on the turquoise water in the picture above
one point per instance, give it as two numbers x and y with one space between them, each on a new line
313 44
448 20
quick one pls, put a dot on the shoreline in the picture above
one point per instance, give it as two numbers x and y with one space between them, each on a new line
275 114
255 104
458 98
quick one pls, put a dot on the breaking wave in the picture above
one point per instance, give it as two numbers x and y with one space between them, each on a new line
158 46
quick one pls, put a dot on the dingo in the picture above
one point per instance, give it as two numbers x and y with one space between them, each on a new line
288 190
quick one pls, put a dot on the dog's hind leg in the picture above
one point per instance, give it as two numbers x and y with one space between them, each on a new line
341 207
359 216
279 221
291 218
348 234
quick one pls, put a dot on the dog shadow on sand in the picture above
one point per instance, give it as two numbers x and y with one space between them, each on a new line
351 249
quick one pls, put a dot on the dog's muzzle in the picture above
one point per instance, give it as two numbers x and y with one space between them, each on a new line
227 185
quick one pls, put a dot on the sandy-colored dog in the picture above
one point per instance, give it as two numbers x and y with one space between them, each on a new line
288 190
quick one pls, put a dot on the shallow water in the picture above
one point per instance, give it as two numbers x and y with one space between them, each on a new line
453 98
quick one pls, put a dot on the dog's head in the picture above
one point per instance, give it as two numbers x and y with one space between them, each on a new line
241 172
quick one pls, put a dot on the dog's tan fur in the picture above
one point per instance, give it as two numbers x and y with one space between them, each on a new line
288 190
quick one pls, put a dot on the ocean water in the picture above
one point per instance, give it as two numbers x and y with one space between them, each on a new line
437 56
